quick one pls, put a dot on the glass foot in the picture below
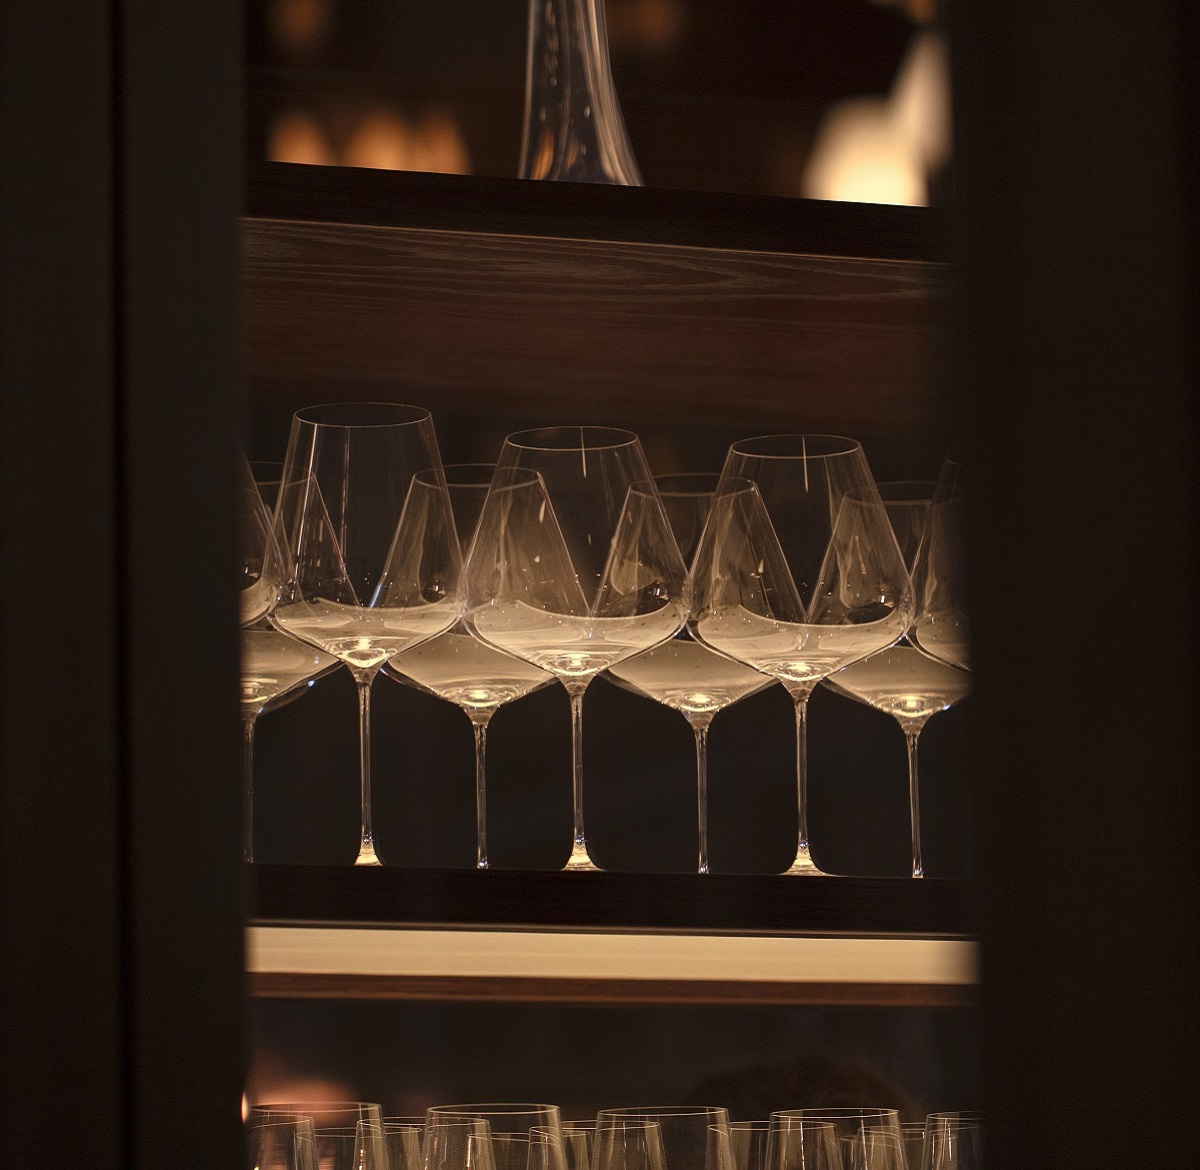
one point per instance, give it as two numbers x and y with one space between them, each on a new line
804 866
580 862
367 856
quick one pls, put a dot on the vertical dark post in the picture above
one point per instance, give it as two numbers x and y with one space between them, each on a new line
121 906
1077 368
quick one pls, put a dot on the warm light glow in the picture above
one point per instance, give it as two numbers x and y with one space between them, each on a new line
648 26
873 150
296 137
384 140
298 27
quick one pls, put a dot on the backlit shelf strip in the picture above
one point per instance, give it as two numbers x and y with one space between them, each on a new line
546 955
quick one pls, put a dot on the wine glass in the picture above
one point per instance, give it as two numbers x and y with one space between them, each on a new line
577 1140
684 1129
261 570
684 674
375 562
943 626
275 668
904 681
798 573
573 566
460 668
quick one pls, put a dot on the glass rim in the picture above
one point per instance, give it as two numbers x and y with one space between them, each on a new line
815 1113
662 1111
541 438
492 1107
404 415
758 446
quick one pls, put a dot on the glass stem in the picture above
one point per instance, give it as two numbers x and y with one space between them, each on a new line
366 846
579 859
803 863
480 728
911 736
248 722
701 733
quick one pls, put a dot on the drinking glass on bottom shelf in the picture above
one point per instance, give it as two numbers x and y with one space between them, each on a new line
280 1144
402 1140
628 1144
683 1128
953 1141
803 1145
577 1143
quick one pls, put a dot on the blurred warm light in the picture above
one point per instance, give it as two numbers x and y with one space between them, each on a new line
873 150
273 1079
298 27
651 26
384 140
296 137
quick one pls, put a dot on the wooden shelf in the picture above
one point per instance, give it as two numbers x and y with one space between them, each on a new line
608 938
685 903
545 300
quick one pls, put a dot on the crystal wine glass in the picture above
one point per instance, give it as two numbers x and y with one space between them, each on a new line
275 669
262 567
943 625
798 573
375 561
904 681
684 674
574 567
460 668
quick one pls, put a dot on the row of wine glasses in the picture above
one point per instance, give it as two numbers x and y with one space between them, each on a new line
576 564
357 1136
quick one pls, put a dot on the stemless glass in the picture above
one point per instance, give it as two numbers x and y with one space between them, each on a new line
402 1140
848 1122
577 1142
375 561
684 674
629 1143
802 1144
798 573
573 566
455 1143
875 1148
904 681
457 666
683 1129
280 1144
953 1141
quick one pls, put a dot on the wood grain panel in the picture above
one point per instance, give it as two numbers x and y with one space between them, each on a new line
571 329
